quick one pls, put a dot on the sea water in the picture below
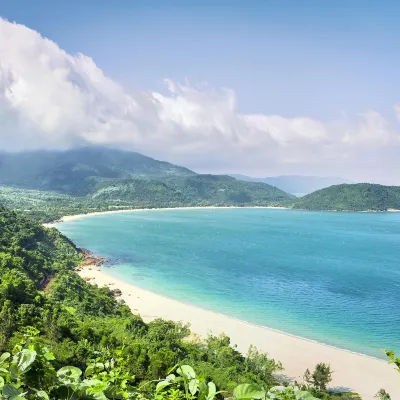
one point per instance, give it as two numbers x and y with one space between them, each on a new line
326 276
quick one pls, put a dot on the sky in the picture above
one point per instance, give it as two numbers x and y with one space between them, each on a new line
260 88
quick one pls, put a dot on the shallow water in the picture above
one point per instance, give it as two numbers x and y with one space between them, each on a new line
330 277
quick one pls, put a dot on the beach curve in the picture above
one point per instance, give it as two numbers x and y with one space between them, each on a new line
352 371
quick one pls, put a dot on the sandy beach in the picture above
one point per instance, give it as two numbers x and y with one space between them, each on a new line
363 374
77 216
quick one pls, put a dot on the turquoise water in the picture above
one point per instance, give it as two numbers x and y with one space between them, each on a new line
330 277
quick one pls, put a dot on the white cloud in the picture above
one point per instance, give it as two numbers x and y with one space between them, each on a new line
49 98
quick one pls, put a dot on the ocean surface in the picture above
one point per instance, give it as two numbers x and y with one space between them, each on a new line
326 276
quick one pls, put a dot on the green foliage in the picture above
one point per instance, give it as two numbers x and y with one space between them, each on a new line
29 373
382 395
320 377
356 197
393 359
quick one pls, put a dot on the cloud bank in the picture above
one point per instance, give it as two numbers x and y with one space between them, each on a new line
52 99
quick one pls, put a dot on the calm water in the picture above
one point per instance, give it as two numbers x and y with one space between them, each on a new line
331 277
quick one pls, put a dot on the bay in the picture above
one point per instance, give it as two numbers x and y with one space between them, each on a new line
324 276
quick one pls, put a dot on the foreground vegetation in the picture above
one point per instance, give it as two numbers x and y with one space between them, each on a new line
61 338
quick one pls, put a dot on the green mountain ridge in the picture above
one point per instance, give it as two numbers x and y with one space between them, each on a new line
49 184
352 197
79 171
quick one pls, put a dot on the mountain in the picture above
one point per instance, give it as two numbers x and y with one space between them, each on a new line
296 184
49 184
79 171
207 189
353 197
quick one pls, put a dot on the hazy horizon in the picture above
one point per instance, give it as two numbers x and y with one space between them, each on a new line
266 90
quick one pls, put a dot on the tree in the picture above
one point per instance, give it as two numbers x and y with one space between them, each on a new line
320 378
382 395
7 323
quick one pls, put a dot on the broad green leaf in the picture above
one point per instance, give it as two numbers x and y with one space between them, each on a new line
49 356
69 373
94 368
95 385
212 391
99 396
249 391
14 371
193 386
186 371
25 359
163 384
2 382
10 391
41 394
4 357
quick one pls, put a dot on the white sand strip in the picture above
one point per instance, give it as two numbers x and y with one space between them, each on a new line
363 374
77 216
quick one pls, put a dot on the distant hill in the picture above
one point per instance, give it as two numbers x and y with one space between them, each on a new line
48 184
79 171
206 189
296 184
355 197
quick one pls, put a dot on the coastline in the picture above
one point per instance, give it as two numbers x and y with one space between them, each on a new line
96 213
78 216
352 371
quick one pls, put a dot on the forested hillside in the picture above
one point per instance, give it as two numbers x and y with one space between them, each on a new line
49 184
357 197
64 339
79 171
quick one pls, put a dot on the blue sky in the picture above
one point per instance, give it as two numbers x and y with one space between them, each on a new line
318 58
306 78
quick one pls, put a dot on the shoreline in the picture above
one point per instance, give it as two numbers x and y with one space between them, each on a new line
352 371
96 213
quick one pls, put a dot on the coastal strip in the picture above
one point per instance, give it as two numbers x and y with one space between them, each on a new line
130 210
78 216
352 371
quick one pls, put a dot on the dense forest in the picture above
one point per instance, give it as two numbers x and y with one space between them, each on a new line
355 197
62 338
